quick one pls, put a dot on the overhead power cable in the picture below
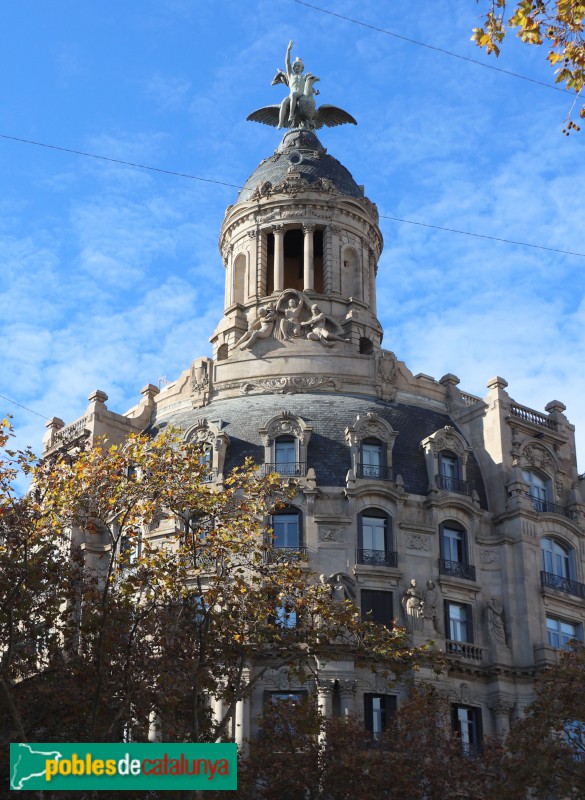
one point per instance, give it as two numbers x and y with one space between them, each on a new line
9 400
484 236
236 186
118 161
433 47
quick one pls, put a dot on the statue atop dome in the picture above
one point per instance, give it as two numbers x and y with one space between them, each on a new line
298 110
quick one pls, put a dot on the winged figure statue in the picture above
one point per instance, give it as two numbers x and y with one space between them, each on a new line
298 109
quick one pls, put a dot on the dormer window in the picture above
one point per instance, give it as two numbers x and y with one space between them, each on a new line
446 453
371 440
285 440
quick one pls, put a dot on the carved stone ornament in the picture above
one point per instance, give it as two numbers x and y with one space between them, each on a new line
488 555
201 433
448 440
289 385
387 372
539 457
414 541
328 533
286 424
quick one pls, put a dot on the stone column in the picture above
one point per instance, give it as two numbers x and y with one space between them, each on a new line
278 231
501 709
324 698
347 691
242 722
218 709
308 260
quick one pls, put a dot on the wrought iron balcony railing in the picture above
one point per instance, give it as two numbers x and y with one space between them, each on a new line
296 469
561 584
278 554
464 650
209 476
457 569
377 472
546 507
377 558
453 484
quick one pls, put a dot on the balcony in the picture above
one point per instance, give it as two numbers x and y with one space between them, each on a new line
457 569
295 469
376 558
550 581
453 484
471 652
546 507
533 417
281 554
375 472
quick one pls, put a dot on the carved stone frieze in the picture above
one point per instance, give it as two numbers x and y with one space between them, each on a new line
487 555
416 541
289 385
387 372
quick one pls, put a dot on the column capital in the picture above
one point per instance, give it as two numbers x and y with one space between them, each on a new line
308 227
278 228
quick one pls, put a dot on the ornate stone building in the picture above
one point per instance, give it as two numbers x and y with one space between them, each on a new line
459 516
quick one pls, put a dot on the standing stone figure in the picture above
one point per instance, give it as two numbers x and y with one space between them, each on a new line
412 605
430 602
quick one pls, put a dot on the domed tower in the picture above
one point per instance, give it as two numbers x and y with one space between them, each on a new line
300 247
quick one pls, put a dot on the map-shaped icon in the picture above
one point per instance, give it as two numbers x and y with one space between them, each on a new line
29 763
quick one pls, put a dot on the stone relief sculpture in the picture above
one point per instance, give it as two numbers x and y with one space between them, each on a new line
320 332
298 109
412 605
430 602
283 322
261 328
289 326
495 621
342 587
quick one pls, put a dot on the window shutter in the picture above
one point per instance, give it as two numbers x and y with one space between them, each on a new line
368 717
447 620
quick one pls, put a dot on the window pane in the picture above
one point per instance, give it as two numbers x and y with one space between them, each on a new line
538 487
556 559
374 533
453 545
286 530
284 452
458 622
371 455
449 466
560 633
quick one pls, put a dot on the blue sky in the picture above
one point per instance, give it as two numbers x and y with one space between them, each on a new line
111 274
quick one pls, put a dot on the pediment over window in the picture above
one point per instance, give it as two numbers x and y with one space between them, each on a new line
449 440
213 439
537 456
286 424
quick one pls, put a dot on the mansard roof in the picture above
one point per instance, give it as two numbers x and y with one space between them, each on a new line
329 415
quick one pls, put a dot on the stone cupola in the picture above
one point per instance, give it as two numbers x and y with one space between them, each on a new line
301 235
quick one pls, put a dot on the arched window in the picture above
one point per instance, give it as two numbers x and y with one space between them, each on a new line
539 490
375 539
454 547
557 560
287 527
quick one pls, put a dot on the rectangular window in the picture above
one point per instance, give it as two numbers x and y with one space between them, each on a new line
453 542
378 710
560 632
467 724
377 606
374 533
458 622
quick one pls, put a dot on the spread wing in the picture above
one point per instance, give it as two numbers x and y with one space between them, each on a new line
330 116
267 115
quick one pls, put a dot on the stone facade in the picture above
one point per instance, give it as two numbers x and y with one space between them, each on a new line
460 517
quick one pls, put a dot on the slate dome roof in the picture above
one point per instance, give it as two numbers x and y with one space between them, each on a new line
303 150
329 415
